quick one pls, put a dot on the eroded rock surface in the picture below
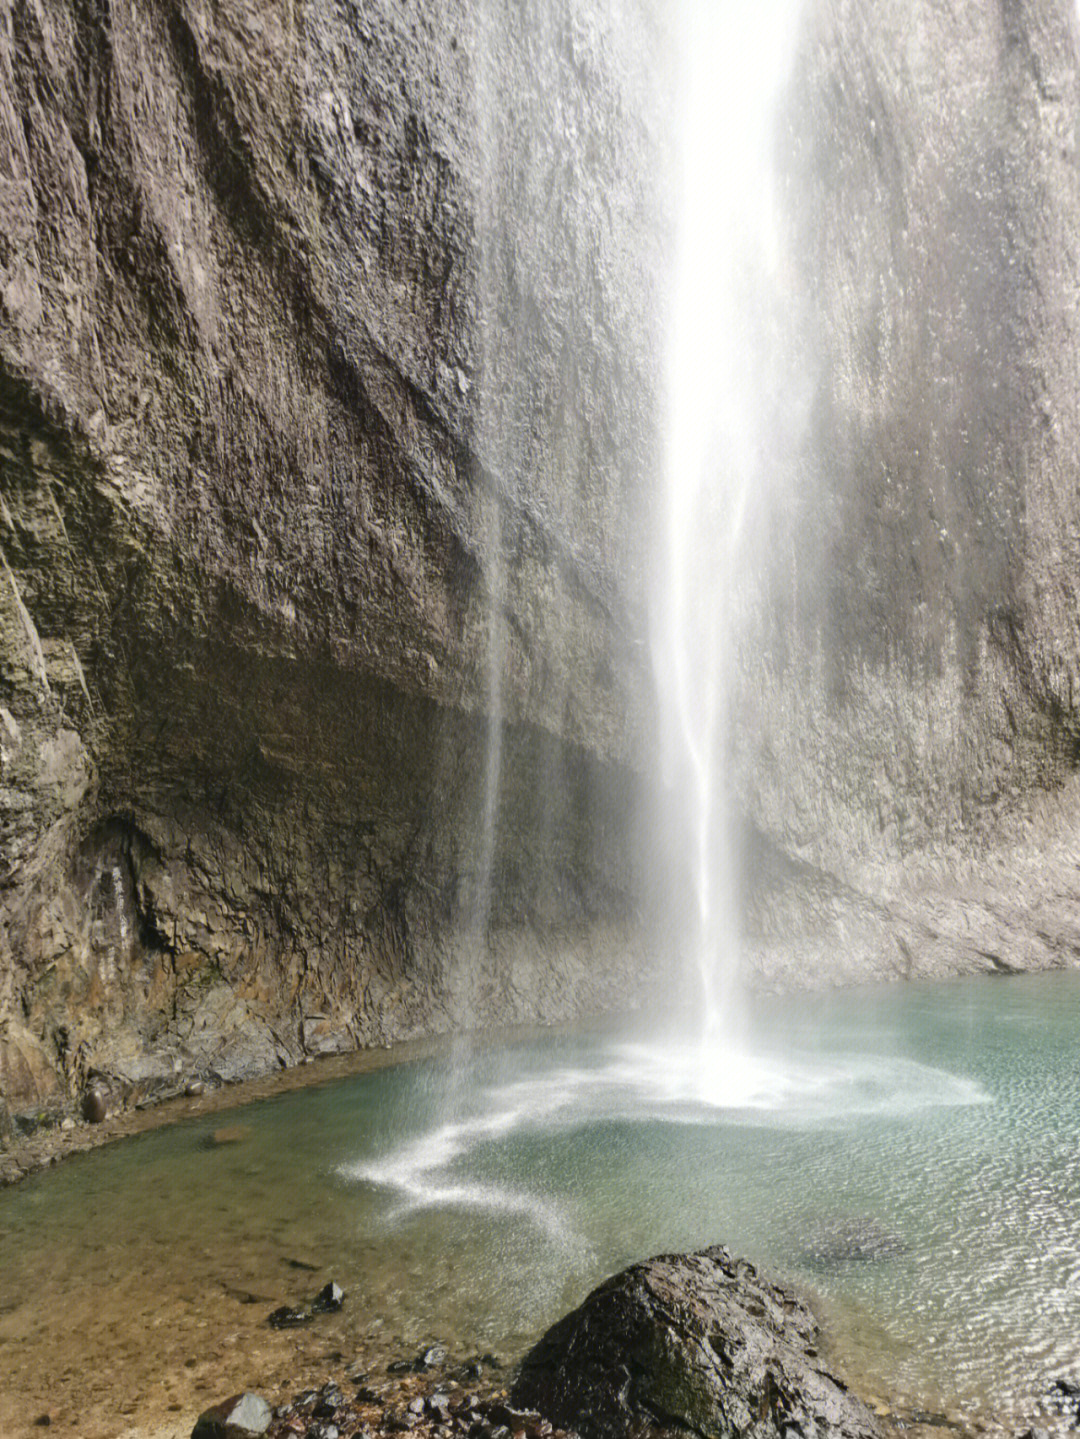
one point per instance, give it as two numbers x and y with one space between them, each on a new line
909 684
695 1343
330 358
288 533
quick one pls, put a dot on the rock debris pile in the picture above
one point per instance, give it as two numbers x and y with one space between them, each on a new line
694 1344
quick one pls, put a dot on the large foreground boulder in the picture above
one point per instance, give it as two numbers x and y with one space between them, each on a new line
689 1342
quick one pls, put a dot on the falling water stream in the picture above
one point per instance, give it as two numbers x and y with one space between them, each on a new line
735 59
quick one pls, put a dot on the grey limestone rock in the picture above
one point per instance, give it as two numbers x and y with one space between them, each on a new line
274 479
908 675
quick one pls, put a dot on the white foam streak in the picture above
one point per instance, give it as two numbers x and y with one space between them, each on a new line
418 1170
648 1082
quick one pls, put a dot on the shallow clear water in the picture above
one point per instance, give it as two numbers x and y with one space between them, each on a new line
937 1124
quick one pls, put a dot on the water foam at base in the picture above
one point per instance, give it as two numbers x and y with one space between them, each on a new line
906 1154
665 1083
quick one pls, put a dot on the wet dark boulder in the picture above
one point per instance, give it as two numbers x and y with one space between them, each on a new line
95 1103
689 1342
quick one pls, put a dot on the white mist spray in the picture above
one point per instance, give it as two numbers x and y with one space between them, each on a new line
736 55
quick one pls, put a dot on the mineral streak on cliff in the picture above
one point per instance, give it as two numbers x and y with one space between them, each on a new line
245 596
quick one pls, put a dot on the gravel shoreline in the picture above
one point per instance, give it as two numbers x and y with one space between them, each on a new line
470 1400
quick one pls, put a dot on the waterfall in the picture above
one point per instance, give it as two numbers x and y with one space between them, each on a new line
726 285
495 462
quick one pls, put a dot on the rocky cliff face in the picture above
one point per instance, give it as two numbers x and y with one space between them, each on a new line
911 683
326 376
329 359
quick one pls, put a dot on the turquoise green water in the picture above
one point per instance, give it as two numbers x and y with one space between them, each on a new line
476 1201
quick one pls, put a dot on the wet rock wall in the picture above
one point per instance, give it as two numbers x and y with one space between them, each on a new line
908 752
329 375
290 531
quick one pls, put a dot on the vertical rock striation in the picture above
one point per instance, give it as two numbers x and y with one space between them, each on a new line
277 403
328 371
912 677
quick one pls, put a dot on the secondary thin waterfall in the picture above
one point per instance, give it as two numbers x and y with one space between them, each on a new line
496 460
735 57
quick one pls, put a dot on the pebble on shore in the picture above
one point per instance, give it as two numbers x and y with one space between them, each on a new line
244 1416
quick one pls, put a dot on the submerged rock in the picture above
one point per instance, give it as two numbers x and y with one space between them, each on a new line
329 1300
841 1240
396 1422
244 1416
1063 1397
689 1342
229 1134
330 1400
